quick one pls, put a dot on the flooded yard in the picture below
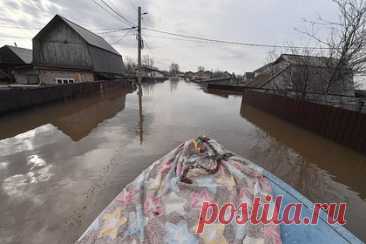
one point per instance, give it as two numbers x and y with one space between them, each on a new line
61 164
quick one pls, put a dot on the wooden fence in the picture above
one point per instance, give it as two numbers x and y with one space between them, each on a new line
17 98
343 126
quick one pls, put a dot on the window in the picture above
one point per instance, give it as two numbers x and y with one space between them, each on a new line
64 81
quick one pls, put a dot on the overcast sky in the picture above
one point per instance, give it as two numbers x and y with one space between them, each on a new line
257 21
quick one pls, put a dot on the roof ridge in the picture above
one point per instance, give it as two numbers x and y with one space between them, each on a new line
67 20
24 54
300 55
90 37
11 46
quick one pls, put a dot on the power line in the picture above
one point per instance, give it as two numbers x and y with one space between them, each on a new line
116 30
176 38
117 13
123 37
105 9
193 37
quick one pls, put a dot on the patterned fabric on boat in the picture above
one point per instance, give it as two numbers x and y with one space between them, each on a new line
162 205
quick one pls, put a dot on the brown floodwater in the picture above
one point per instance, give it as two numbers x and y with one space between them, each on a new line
62 163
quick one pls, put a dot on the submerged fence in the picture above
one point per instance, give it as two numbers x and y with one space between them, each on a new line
343 126
17 98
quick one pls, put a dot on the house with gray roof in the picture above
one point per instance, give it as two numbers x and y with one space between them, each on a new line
301 74
12 57
65 52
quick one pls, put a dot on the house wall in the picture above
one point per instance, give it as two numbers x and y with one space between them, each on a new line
51 76
106 62
26 76
61 46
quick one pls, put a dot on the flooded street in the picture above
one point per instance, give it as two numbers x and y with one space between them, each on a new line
61 164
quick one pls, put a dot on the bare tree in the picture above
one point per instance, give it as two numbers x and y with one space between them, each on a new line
130 65
302 75
346 42
271 56
147 61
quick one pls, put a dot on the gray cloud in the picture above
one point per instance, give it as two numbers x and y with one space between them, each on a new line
261 21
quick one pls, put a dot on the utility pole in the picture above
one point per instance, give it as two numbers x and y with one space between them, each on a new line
139 47
139 74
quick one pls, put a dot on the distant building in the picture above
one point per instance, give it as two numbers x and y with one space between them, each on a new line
152 72
65 52
202 75
12 57
189 74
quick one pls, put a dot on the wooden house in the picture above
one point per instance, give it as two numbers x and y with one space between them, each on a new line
65 52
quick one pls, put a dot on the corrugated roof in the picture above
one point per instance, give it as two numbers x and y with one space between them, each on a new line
90 37
26 55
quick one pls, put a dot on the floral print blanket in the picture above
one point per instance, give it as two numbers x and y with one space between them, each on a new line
162 205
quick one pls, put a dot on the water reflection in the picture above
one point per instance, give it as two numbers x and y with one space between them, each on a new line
321 169
75 118
16 186
141 116
148 88
216 92
173 85
64 169
328 155
35 161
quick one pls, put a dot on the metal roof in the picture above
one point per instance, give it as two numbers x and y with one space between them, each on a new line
26 55
90 37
